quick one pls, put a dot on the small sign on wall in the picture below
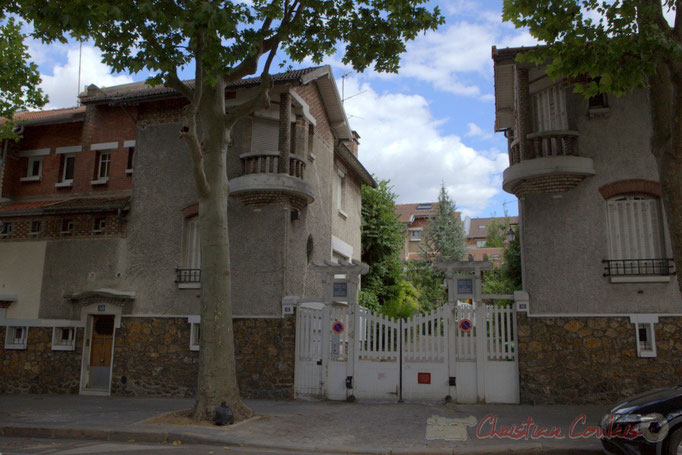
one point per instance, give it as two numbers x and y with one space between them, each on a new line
465 286
341 289
423 378
101 308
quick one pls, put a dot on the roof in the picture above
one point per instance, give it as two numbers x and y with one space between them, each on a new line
408 212
349 158
102 204
139 90
75 114
476 231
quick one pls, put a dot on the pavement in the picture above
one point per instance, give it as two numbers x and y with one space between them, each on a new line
320 427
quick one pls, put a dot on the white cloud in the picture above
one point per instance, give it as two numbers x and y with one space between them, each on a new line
61 85
400 140
477 131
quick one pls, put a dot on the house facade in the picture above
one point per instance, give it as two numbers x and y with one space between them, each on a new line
477 233
601 311
100 276
416 218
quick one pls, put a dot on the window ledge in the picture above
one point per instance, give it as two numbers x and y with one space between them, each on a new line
60 347
343 214
34 178
16 347
640 279
189 285
65 233
129 172
99 182
599 111
415 240
64 184
646 354
193 347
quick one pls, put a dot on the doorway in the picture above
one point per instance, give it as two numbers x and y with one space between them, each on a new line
101 349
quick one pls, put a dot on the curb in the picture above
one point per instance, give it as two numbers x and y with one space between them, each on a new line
161 437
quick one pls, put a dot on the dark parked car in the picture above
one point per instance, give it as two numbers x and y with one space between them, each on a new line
649 423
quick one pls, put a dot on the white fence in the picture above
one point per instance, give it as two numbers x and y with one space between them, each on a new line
460 351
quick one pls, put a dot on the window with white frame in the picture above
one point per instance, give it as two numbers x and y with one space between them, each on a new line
5 230
191 257
645 338
340 186
103 163
35 168
36 228
195 336
99 225
16 337
63 338
67 227
68 166
549 109
480 243
635 233
415 235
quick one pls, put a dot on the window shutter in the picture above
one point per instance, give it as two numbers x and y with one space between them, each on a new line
634 225
265 136
550 109
615 242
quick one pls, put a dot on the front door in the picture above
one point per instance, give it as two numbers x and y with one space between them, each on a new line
100 352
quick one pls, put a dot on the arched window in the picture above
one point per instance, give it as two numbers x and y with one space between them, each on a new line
635 231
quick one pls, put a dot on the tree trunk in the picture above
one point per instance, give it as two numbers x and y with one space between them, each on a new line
666 145
217 380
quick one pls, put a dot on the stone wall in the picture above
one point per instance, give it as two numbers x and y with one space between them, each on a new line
154 356
39 369
593 360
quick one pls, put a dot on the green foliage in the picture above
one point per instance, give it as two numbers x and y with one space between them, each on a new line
19 78
405 301
444 235
429 282
506 278
601 46
382 242
164 35
496 234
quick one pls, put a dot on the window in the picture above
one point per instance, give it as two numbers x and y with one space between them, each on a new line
195 336
549 109
99 226
481 226
635 233
63 338
598 102
5 230
36 228
129 167
68 164
34 171
424 206
495 256
192 244
480 243
67 227
102 169
415 235
646 339
340 186
16 337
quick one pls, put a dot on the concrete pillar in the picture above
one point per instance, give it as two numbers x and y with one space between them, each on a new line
284 132
522 105
301 137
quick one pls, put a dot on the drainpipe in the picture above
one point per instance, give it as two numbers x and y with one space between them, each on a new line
2 163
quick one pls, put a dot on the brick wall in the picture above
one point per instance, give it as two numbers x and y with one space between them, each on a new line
591 360
51 226
311 95
547 184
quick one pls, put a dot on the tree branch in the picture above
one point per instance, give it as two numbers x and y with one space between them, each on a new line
677 30
173 81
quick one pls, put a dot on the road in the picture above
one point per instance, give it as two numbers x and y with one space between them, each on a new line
15 446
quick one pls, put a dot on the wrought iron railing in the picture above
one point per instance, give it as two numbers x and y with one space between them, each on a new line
639 267
188 275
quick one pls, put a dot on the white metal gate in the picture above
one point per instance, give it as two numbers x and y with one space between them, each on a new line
426 357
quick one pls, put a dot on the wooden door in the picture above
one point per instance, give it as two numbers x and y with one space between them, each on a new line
102 338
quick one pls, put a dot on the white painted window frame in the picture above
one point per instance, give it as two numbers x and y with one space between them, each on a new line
32 177
33 233
68 231
57 345
340 189
412 231
6 231
64 182
11 341
100 227
480 243
103 166
195 336
647 322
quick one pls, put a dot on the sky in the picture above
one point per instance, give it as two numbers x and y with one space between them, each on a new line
430 124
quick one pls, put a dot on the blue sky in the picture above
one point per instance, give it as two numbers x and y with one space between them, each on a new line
430 123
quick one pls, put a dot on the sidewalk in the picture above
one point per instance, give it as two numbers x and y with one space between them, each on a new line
313 426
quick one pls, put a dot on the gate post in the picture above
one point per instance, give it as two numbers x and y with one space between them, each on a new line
481 348
451 325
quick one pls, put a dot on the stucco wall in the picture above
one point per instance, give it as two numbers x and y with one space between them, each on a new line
21 275
565 236
347 228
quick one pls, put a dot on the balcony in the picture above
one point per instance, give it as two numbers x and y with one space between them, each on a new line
639 270
262 183
548 162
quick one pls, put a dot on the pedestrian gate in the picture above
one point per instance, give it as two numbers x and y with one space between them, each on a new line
461 351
